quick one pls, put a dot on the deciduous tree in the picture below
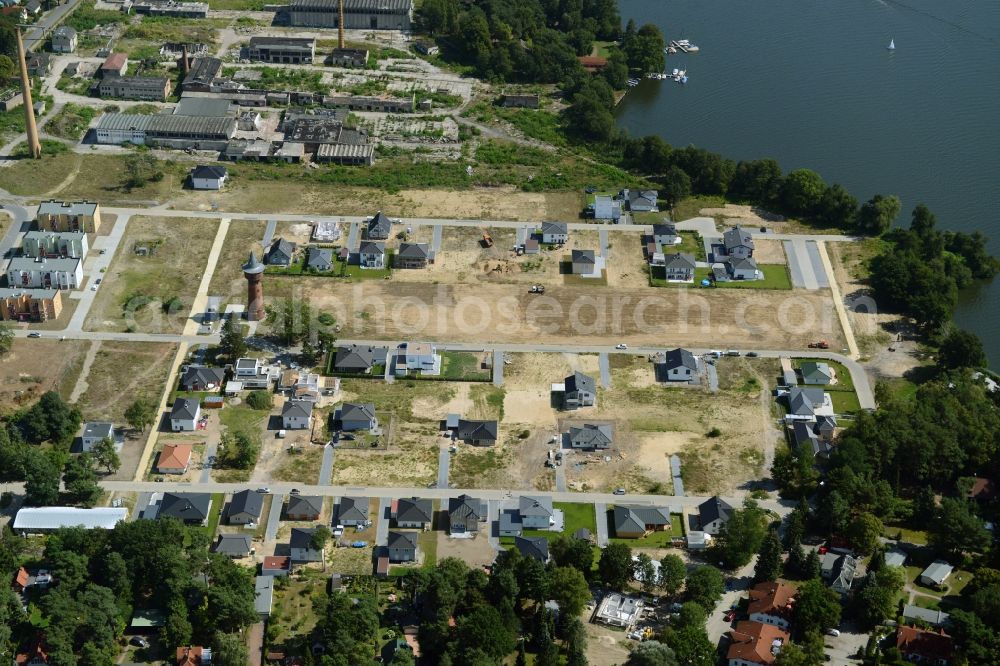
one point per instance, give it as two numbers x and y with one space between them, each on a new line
615 565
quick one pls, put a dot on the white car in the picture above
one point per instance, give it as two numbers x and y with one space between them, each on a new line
621 346
833 632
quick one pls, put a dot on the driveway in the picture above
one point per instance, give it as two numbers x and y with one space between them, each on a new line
382 526
604 361
713 377
274 517
805 264
737 585
601 510
498 357
326 470
844 648
444 463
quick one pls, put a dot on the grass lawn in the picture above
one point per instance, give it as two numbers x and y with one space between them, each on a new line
241 418
922 601
916 537
577 515
427 542
844 380
775 277
355 271
218 499
302 465
691 243
845 402
691 207
71 122
569 279
293 614
463 366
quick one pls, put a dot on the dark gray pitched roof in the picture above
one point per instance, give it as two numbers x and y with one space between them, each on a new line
358 357
297 409
184 408
301 537
371 247
580 382
402 540
352 508
233 544
379 225
736 237
413 251
741 264
307 504
634 518
680 260
535 506
351 411
466 509
209 171
803 401
712 508
185 506
478 430
555 228
646 195
536 548
247 501
414 509
281 247
593 436
680 358
664 230
203 375
320 258
583 257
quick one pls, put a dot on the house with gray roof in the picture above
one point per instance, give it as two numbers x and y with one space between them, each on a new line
202 378
352 511
478 433
300 542
936 573
636 521
839 571
555 233
579 390
713 513
412 255
378 227
296 414
535 548
245 507
814 372
806 439
233 545
895 558
320 259
359 358
935 618
357 416
583 262
536 512
371 255
738 243
413 513
804 402
641 201
64 39
280 253
184 415
826 424
402 546
742 268
678 266
591 437
465 514
303 507
94 432
263 595
189 508
680 365
665 234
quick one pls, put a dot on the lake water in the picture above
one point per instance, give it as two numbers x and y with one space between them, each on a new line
812 84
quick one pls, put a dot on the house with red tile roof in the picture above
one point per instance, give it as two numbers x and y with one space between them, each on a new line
755 644
925 645
22 579
772 603
194 655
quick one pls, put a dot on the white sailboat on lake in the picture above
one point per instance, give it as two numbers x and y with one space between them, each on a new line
892 45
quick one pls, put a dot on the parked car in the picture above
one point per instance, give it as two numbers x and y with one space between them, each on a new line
752 354
138 641
619 491
265 490
833 632
621 345
34 334
730 615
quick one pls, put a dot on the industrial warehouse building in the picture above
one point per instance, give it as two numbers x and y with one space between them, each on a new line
358 14
282 50
173 131
146 88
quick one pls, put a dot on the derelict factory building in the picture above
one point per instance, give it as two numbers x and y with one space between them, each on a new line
358 14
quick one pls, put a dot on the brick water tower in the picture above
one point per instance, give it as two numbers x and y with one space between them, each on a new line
253 271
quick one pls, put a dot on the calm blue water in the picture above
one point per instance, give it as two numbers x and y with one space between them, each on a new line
811 84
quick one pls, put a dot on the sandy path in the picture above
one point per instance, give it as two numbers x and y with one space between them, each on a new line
81 381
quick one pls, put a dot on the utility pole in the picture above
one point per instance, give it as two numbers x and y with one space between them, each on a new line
34 147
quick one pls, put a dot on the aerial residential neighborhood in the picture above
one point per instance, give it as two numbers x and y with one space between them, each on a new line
344 332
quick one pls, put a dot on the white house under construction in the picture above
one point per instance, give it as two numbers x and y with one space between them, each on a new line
358 14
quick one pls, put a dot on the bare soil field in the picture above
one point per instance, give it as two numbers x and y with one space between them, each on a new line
113 383
626 266
136 287
242 237
33 367
769 252
488 313
750 216
475 552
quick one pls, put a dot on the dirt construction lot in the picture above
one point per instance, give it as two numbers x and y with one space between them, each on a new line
136 286
33 367
112 382
395 310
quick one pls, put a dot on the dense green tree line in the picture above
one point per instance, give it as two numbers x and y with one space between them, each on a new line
100 577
